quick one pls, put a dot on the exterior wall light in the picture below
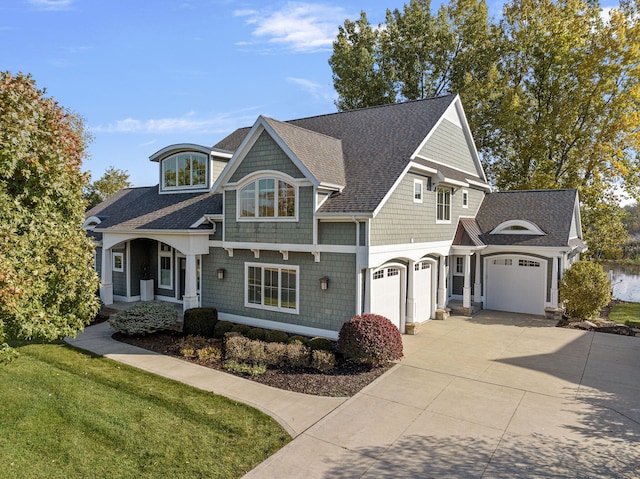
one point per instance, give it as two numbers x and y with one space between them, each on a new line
220 273
324 283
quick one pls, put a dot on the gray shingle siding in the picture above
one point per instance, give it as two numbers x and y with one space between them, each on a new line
298 232
327 309
448 145
337 233
265 154
401 220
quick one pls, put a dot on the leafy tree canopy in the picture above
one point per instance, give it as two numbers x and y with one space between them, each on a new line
112 181
47 280
551 91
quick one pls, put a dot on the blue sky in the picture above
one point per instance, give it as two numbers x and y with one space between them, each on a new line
148 74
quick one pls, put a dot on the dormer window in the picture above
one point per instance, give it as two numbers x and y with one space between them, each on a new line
517 227
184 170
267 198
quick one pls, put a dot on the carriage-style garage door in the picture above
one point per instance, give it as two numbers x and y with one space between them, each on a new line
386 293
516 283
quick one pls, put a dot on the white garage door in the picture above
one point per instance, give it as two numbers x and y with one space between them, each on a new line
516 283
386 294
422 291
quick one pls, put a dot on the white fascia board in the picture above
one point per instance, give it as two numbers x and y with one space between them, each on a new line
178 147
448 181
207 218
436 162
185 241
330 186
378 255
548 251
221 153
294 248
469 136
477 184
423 169
466 249
344 216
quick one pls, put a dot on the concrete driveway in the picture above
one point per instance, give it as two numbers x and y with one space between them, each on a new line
498 395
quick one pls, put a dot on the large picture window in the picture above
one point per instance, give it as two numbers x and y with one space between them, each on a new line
443 207
269 286
267 198
184 170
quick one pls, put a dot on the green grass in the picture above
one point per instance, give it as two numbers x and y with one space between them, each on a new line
68 414
626 313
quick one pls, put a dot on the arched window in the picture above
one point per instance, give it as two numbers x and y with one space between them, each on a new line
517 227
184 170
267 198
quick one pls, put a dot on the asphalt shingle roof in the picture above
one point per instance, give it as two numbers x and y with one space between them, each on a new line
551 210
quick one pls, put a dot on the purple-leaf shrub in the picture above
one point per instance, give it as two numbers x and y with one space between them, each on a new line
370 339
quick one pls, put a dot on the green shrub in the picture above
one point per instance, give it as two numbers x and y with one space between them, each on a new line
256 333
322 361
242 368
275 336
297 355
370 339
585 289
298 339
200 322
243 329
322 344
221 328
210 353
145 318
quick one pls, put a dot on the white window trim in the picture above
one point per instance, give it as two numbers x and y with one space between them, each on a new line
530 228
448 191
115 268
165 254
269 219
203 186
416 181
457 260
465 198
280 268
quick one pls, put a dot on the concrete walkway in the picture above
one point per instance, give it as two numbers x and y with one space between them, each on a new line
295 412
494 396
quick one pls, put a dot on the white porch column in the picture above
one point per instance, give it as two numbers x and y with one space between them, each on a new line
466 290
190 298
411 302
442 281
554 282
477 284
367 290
106 286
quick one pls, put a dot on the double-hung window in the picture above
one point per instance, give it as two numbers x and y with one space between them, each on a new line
417 191
267 198
270 286
443 205
165 266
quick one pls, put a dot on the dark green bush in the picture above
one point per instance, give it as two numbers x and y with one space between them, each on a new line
322 344
200 322
241 328
585 289
256 333
298 339
370 339
275 336
221 328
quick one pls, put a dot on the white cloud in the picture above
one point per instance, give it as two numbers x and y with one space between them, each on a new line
316 90
298 26
51 4
189 123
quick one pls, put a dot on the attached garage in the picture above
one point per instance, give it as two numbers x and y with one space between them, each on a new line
422 290
387 293
516 283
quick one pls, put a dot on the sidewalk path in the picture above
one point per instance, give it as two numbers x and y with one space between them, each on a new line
294 411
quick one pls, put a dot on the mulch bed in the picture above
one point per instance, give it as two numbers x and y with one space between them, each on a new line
345 380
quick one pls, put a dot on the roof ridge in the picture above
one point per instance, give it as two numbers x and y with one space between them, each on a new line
291 125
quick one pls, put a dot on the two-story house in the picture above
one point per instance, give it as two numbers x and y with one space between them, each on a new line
300 225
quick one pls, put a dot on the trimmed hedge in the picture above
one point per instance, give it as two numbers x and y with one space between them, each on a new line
322 344
275 336
221 328
370 339
200 322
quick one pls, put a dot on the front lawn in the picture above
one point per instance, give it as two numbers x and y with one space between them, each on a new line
626 313
69 414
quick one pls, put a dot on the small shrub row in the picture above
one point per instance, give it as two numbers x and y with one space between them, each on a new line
145 318
276 354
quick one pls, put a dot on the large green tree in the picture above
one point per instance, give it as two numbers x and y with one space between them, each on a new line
112 181
551 92
47 281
